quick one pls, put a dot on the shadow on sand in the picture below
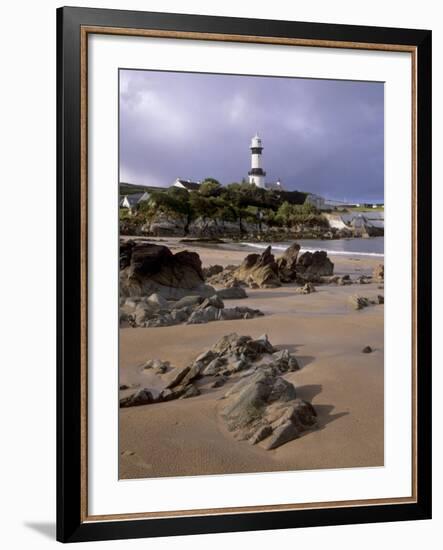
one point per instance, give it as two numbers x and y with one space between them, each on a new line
324 412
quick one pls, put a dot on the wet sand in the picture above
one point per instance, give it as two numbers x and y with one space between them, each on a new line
186 437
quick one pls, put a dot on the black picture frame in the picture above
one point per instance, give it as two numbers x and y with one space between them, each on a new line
71 526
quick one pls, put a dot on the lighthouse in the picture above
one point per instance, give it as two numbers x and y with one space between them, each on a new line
256 173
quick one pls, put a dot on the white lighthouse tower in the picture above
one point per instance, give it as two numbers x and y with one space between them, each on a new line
256 173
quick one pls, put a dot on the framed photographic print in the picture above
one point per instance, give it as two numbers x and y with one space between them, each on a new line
232 353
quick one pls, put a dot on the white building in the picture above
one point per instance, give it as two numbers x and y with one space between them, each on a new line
256 173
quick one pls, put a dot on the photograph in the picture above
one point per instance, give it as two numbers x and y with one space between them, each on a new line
251 273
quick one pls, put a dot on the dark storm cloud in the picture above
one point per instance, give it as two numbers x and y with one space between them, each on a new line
320 136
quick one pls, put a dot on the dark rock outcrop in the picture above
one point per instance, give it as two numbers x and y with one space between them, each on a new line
147 268
287 264
314 264
259 270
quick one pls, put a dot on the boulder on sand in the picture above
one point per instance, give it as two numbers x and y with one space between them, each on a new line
287 264
314 264
259 270
232 293
264 407
148 268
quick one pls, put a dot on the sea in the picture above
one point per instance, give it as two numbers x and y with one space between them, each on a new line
372 247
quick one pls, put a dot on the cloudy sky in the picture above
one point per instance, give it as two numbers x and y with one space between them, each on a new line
321 136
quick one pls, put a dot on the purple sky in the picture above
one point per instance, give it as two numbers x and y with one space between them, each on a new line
321 136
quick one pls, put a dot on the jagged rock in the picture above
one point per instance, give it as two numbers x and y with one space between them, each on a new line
190 391
158 301
205 357
359 302
281 435
212 270
259 269
177 376
140 397
315 264
157 364
378 273
150 268
214 301
228 343
262 433
232 293
214 366
218 382
308 288
284 361
282 391
367 349
263 403
193 373
212 313
287 263
188 301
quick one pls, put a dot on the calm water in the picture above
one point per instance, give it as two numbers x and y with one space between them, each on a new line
349 247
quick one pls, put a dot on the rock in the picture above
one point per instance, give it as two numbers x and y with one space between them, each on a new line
287 264
380 299
188 301
232 293
262 433
284 361
177 376
281 435
169 394
378 273
218 382
363 280
315 264
214 366
214 301
157 364
140 397
158 301
234 313
359 302
282 390
301 415
194 372
150 268
259 269
206 315
190 391
258 346
205 357
212 270
367 349
308 288
237 366
228 343
249 398
124 387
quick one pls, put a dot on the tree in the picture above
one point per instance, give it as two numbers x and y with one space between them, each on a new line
210 187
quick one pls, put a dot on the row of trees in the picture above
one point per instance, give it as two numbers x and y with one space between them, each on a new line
237 202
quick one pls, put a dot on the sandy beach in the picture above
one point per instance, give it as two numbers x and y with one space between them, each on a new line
186 437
